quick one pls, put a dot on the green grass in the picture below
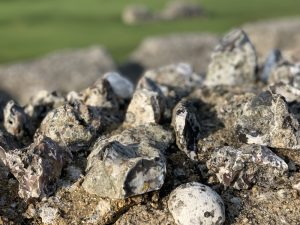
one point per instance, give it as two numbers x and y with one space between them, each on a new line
30 28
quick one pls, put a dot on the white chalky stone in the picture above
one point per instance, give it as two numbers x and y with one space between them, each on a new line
195 203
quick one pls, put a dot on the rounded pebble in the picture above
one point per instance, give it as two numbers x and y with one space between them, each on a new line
195 203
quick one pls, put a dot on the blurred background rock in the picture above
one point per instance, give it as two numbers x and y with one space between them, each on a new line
47 44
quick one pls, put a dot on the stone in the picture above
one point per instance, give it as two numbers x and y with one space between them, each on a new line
48 214
36 167
145 107
195 203
243 167
63 71
176 81
274 57
181 9
43 102
17 122
233 61
287 73
290 93
128 164
192 48
265 120
187 127
136 14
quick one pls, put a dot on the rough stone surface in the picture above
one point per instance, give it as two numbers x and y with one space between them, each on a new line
265 120
145 107
248 165
64 71
195 203
187 127
128 164
233 61
36 167
273 59
17 122
193 48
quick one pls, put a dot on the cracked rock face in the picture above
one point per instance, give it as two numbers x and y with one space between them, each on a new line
36 167
128 164
273 59
16 121
233 61
195 203
265 120
186 125
248 165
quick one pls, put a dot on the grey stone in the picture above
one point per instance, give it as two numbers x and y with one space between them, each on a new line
128 164
195 203
17 122
265 120
145 107
187 127
176 81
233 62
192 48
273 59
243 167
61 71
36 167
181 9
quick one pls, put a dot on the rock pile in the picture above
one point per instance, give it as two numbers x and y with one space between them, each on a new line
176 149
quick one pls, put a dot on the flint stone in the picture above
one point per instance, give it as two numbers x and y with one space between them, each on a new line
176 81
16 121
273 59
36 167
233 62
195 203
248 165
287 73
145 107
265 120
42 103
187 127
128 164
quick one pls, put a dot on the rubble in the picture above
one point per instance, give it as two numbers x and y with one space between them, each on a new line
265 120
36 167
243 167
128 164
195 203
186 124
233 62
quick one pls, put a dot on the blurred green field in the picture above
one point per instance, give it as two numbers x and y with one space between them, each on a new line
29 28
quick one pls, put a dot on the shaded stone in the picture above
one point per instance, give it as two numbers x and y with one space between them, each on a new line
36 167
42 103
233 62
248 165
287 73
265 120
271 62
17 122
195 203
187 127
128 164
